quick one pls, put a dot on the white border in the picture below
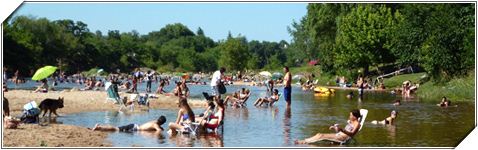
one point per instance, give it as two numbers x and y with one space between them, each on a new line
8 6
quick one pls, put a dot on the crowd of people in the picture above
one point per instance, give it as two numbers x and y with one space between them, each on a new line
213 116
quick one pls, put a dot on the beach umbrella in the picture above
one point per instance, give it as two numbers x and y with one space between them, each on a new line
265 73
43 72
298 76
277 74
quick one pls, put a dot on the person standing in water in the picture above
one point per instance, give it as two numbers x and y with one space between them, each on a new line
287 86
215 81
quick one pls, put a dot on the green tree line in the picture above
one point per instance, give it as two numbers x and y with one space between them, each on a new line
31 43
346 38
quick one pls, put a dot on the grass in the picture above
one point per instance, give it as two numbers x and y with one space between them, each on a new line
458 89
397 81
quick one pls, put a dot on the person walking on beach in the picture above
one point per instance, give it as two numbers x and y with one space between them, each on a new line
216 80
287 86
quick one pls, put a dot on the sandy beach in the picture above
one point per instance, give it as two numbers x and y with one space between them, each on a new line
74 102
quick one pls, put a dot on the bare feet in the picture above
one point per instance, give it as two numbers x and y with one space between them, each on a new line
299 142
96 127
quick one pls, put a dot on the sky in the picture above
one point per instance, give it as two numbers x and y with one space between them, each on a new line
255 21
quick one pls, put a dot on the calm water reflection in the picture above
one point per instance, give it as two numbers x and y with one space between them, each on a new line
418 123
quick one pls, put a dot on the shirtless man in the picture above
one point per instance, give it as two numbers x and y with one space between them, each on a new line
154 125
287 86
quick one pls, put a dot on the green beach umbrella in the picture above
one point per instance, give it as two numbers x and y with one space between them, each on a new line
44 72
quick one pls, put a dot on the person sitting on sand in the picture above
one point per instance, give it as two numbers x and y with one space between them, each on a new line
444 102
271 100
389 120
350 130
214 120
185 116
177 90
43 87
160 89
125 85
10 122
154 125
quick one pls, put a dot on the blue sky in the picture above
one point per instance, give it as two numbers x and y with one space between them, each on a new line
256 21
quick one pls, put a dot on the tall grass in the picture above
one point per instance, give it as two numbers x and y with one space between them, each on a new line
458 89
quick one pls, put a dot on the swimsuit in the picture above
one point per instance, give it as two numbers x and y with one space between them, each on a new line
287 93
213 126
129 128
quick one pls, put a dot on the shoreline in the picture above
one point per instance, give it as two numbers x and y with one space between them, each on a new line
74 102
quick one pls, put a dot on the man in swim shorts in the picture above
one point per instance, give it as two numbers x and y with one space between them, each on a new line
287 86
154 125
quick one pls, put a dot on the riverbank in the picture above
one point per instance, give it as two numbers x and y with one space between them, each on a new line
29 135
53 135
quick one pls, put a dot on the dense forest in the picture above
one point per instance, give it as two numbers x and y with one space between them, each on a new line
343 38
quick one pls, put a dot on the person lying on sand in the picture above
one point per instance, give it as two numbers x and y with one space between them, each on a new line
389 120
154 125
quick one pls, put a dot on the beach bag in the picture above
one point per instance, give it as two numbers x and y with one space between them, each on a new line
221 88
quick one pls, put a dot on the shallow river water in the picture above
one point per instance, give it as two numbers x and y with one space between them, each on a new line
419 123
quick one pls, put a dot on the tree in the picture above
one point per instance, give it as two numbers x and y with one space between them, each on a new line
444 53
234 54
362 37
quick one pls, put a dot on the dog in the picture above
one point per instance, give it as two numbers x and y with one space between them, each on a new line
51 105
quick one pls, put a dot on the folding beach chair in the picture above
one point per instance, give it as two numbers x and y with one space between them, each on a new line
113 95
268 103
364 113
242 102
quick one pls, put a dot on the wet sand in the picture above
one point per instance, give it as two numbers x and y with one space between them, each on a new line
74 102
53 135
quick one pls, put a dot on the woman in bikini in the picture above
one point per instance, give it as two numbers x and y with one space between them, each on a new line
271 100
185 116
389 120
349 131
213 121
